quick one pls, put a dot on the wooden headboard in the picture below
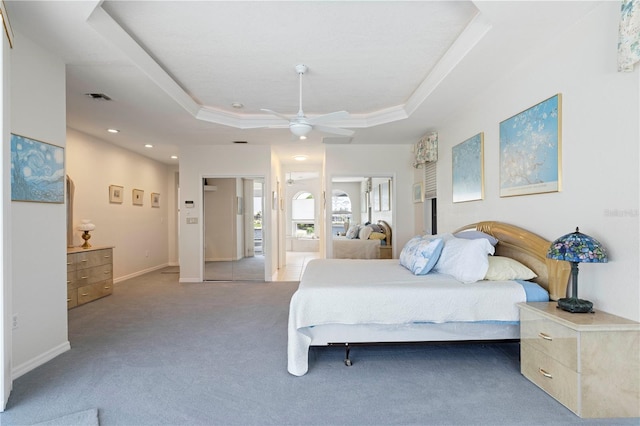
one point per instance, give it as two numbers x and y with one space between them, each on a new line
387 231
531 250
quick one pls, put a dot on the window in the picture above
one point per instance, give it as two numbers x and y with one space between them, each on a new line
303 215
341 211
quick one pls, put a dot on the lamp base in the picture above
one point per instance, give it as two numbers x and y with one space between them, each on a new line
575 305
86 236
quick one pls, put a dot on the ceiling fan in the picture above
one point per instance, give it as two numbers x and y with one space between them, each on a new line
300 125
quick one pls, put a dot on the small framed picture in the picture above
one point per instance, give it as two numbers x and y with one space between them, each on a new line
138 197
115 194
418 193
155 199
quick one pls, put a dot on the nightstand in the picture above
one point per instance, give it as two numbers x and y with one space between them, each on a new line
588 362
385 252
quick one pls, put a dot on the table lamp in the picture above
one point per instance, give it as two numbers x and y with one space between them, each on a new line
576 247
86 226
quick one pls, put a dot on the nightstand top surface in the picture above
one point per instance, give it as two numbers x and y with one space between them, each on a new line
598 320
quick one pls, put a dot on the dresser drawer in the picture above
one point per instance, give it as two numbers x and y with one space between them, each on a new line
551 338
94 291
72 298
554 378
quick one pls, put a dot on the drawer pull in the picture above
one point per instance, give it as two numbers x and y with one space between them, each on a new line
83 278
545 374
68 282
69 263
83 260
106 272
107 256
106 287
68 300
545 336
84 294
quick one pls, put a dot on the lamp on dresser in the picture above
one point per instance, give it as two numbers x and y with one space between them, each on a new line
575 248
85 227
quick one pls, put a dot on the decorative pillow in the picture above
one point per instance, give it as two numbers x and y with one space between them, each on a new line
377 236
419 255
465 260
364 232
474 235
376 228
353 231
504 268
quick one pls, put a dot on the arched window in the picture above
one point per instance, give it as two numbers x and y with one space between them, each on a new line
303 215
341 211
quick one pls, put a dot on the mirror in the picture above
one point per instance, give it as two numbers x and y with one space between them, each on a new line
233 231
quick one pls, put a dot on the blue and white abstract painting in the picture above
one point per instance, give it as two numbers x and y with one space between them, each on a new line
468 170
530 150
37 171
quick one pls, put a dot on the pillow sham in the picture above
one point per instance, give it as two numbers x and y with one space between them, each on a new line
419 255
364 232
474 235
505 268
465 260
377 236
353 231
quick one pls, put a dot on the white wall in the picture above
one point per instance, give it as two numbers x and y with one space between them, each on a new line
38 240
600 184
138 233
382 161
215 161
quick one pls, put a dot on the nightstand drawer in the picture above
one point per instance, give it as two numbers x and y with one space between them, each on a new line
553 339
554 378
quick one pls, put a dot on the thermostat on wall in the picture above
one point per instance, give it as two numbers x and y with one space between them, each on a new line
188 204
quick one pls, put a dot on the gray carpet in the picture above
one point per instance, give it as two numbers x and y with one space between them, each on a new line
81 418
158 352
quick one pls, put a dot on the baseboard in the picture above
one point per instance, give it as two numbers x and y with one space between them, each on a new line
190 280
39 360
137 274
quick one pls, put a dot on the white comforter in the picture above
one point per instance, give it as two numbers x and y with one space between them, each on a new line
349 291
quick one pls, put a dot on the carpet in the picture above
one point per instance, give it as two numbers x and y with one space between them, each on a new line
81 418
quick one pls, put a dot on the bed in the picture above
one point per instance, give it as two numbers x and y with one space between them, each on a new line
369 247
343 301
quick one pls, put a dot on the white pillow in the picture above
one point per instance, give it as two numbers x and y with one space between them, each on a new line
419 255
465 260
504 268
364 233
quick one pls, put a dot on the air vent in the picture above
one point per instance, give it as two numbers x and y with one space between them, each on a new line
240 142
98 96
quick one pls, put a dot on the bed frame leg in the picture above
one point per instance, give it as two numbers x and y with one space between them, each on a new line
347 360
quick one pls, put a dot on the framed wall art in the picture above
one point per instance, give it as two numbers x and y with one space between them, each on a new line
155 199
530 150
115 193
138 197
417 193
37 171
468 169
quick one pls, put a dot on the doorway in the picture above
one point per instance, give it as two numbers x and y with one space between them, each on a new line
233 243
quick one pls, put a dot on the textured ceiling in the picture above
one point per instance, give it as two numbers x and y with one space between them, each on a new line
173 68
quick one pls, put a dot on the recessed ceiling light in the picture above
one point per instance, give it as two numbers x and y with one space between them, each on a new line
300 157
148 145
237 105
174 157
113 130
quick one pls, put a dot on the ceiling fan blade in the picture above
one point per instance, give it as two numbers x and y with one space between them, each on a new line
332 116
277 114
334 130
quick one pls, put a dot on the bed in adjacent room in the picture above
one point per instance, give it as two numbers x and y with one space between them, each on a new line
468 293
371 241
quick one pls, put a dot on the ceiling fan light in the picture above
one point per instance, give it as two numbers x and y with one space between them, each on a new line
300 129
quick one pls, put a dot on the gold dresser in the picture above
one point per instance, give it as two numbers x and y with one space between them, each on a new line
589 362
89 274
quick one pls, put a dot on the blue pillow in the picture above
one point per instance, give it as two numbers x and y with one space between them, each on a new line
420 254
474 235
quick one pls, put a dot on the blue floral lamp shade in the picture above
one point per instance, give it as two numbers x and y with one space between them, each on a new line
576 247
